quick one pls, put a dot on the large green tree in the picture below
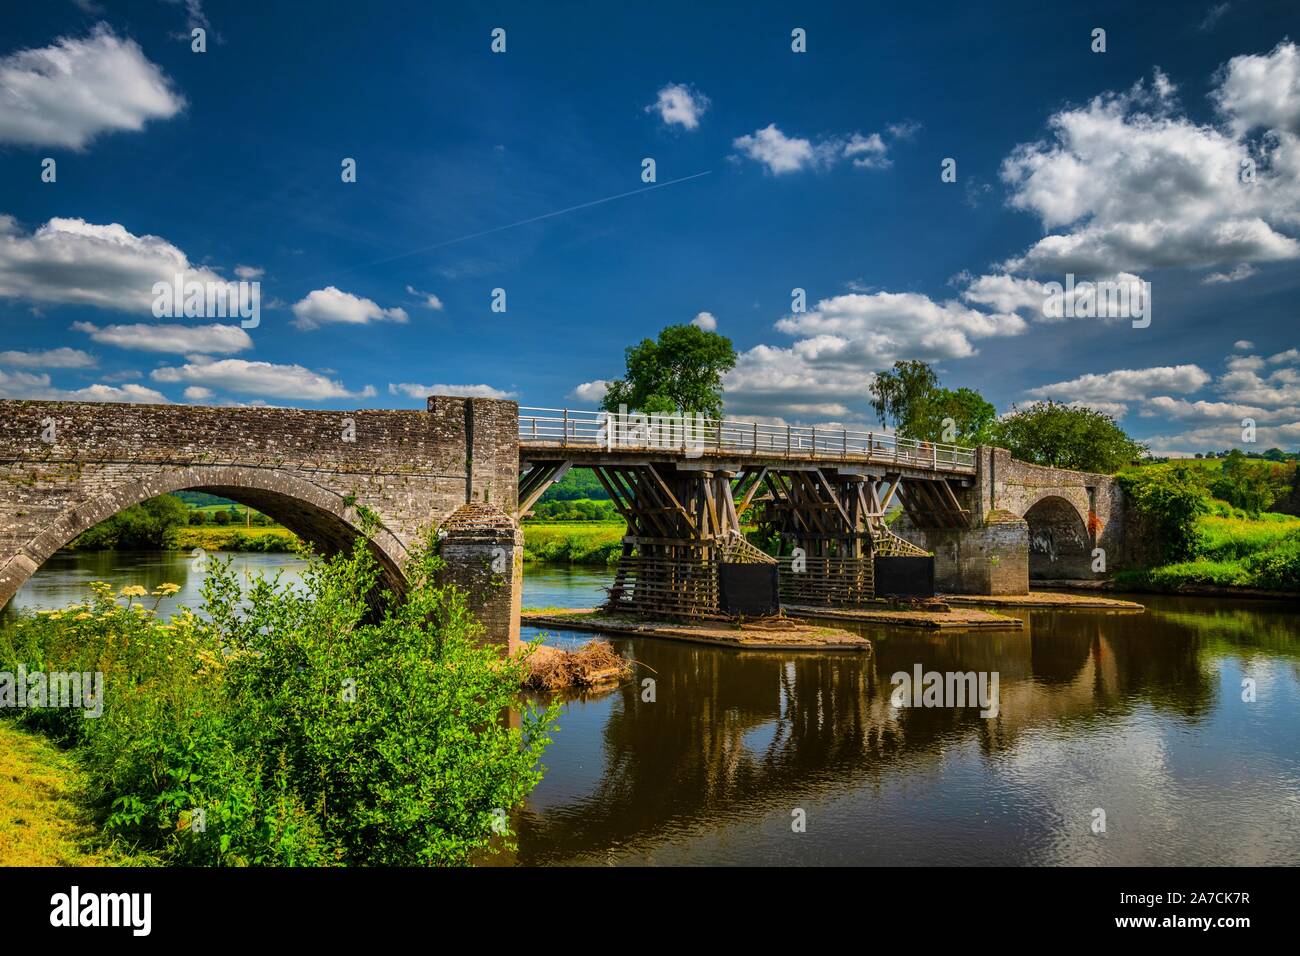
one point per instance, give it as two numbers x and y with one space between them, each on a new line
1066 436
681 370
909 398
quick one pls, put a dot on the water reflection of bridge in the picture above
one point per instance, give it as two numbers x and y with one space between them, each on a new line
733 735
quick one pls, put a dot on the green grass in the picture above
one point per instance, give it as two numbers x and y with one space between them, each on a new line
235 538
1228 538
573 542
45 818
1232 550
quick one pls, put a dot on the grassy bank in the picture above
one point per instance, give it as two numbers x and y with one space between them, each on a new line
45 818
215 538
1232 550
573 542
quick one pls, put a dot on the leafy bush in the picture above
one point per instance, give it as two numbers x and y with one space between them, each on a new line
1170 500
309 728
1252 486
1279 567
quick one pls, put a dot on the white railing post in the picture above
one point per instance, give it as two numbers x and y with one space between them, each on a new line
787 441
564 440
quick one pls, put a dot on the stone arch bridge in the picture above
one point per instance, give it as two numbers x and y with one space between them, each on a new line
469 468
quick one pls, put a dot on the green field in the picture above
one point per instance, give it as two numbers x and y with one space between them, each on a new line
235 538
1230 545
573 542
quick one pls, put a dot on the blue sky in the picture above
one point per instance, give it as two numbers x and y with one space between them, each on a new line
821 172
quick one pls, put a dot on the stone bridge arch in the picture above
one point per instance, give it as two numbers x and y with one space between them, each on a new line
1060 545
318 515
65 466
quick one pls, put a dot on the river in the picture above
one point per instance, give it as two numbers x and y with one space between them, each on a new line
1140 717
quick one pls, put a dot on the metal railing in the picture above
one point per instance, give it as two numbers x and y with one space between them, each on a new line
696 436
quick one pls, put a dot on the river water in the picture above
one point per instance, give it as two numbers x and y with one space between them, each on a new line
799 758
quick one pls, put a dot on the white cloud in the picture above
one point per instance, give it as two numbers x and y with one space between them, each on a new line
874 330
173 339
777 152
1138 186
33 386
73 262
1179 409
772 383
868 152
197 393
431 301
593 392
782 154
1008 293
257 378
328 305
249 273
1243 271
48 358
1261 92
1125 384
413 390
706 321
66 94
678 104
1243 344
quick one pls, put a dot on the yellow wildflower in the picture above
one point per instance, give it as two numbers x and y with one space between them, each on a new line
133 590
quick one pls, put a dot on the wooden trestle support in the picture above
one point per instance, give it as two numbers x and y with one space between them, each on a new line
683 521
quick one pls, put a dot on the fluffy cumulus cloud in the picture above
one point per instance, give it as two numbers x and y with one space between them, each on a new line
333 306
875 329
679 105
593 392
262 379
705 321
66 94
778 384
47 358
421 392
171 339
1264 389
1129 183
843 340
1125 384
74 262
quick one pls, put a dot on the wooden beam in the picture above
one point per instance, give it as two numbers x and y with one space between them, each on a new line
557 474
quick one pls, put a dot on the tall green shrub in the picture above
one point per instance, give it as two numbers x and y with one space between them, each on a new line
1170 500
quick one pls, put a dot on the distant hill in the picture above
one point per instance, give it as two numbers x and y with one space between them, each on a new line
577 484
201 499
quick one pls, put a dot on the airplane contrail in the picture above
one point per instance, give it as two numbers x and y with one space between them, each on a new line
513 225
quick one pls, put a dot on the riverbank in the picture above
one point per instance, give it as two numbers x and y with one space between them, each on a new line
45 819
597 543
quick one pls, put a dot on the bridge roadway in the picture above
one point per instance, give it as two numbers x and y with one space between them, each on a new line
592 437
